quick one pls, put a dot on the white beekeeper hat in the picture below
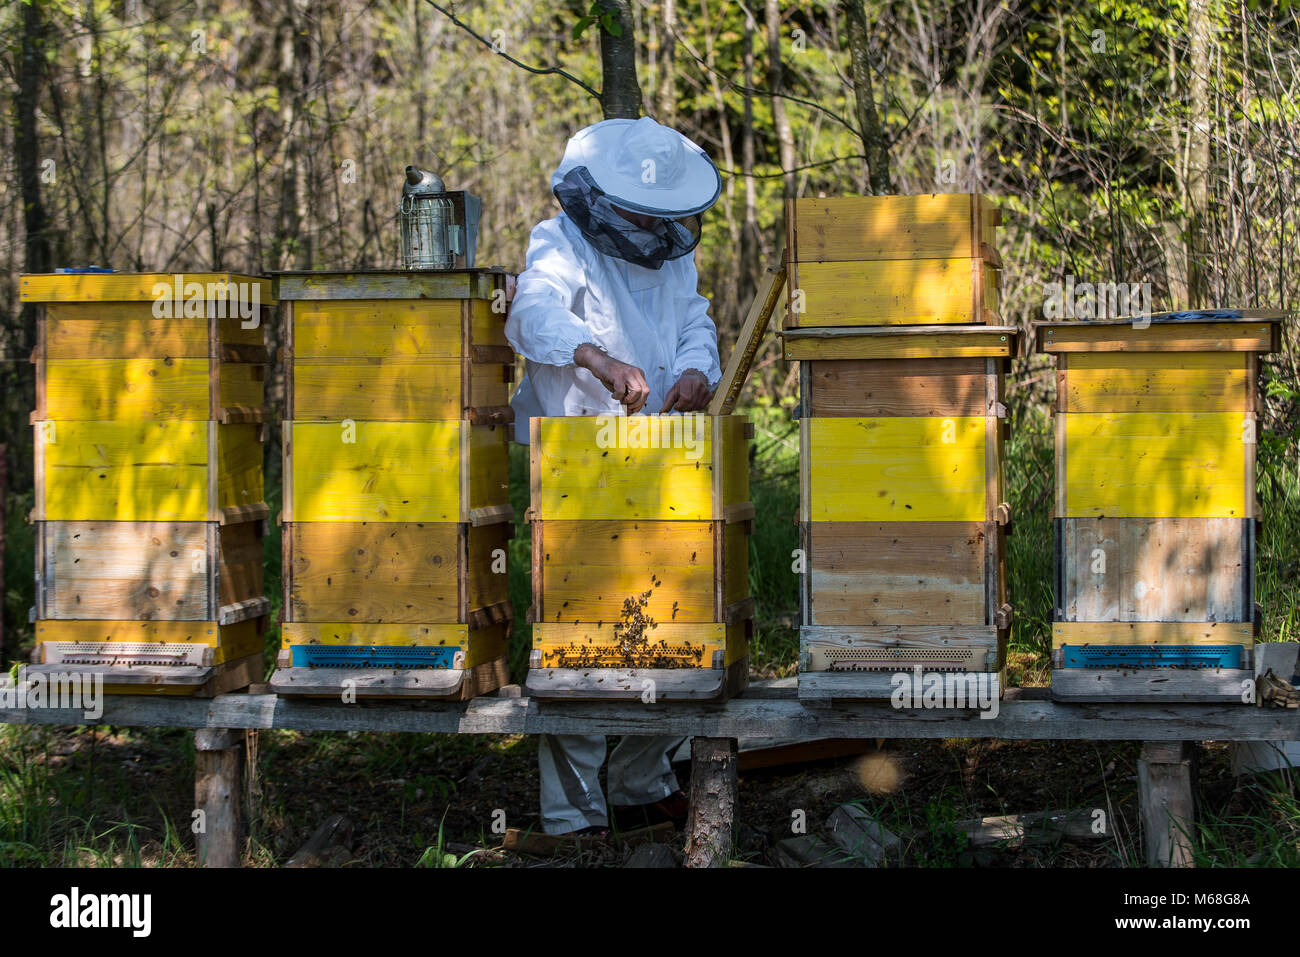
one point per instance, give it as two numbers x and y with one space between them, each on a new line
643 167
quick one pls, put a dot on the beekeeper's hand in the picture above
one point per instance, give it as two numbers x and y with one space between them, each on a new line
689 394
625 382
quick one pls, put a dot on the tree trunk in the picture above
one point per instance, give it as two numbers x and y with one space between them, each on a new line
1198 152
875 144
620 95
784 136
667 95
714 786
31 67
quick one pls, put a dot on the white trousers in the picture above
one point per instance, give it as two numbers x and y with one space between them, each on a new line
640 772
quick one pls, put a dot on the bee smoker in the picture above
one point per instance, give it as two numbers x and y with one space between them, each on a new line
438 229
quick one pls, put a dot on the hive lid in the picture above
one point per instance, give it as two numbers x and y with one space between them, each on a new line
1202 330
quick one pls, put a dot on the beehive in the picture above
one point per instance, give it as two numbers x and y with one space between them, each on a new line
396 508
1155 510
892 260
640 528
892 316
149 503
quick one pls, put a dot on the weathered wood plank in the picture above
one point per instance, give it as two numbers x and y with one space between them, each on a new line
1025 714
903 387
1154 569
1176 685
896 573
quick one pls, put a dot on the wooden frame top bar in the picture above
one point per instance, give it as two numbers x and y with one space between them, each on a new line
900 342
1024 714
389 284
124 286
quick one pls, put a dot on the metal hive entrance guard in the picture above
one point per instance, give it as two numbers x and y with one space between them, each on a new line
1155 512
396 507
149 499
892 315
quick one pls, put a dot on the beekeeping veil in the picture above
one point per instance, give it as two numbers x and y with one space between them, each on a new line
641 167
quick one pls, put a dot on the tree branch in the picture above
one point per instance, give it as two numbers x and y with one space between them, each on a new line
539 70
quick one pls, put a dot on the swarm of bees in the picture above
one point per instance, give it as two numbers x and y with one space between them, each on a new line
632 647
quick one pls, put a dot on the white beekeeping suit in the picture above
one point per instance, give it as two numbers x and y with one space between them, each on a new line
608 318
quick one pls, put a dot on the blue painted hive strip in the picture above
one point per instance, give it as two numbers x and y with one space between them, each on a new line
373 656
1151 656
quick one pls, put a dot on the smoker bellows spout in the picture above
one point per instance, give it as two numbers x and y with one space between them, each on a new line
421 182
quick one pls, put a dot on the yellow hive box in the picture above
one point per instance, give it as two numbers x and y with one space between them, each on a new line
640 532
892 260
902 513
1155 504
149 491
396 511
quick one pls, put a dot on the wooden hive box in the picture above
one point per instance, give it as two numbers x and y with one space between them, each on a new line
902 506
640 528
149 502
892 260
1155 510
396 499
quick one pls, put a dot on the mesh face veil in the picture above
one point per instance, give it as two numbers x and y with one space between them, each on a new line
601 223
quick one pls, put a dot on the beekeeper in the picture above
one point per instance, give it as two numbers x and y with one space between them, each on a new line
607 316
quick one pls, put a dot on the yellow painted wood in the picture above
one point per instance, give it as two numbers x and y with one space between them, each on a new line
1156 382
917 469
102 330
627 467
363 633
398 284
489 466
890 227
486 327
488 644
891 292
242 384
125 471
1155 465
239 470
735 575
391 472
734 455
936 346
427 328
381 388
591 568
231 642
124 287
1151 633
126 389
1074 337
119 632
550 638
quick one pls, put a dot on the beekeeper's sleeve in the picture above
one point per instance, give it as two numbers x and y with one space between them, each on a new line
697 336
541 326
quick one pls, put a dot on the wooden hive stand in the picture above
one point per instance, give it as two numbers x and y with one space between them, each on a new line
396 484
150 506
893 316
640 529
1155 516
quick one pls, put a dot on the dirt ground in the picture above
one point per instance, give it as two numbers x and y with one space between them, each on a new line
398 791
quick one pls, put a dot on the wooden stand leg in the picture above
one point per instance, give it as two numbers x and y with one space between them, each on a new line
713 801
218 792
1165 801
